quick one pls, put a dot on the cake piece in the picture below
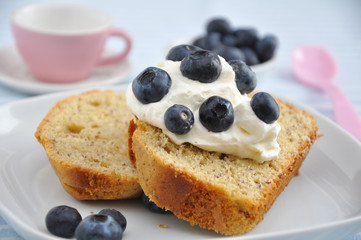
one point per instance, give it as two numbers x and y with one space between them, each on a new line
85 138
217 191
209 149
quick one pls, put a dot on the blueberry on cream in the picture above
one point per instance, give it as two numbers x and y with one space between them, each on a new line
245 78
205 103
203 66
151 85
216 114
178 52
265 107
179 119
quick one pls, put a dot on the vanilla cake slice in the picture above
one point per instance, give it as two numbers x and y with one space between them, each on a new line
85 138
213 190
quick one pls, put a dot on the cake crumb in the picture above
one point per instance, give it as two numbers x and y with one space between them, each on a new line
163 225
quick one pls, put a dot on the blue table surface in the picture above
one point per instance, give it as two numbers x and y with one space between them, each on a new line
154 25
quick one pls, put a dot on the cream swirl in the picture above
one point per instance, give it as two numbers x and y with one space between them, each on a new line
248 137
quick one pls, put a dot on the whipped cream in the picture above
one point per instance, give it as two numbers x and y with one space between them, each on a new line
248 137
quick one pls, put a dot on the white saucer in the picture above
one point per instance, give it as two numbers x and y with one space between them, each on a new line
14 74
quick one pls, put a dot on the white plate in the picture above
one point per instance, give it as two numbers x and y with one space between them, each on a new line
323 202
15 74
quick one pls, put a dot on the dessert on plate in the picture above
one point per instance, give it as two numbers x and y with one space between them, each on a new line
209 149
191 133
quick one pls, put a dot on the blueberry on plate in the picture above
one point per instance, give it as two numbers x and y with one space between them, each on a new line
246 37
245 78
177 53
250 56
216 114
266 47
179 119
99 227
265 107
201 65
220 25
151 206
118 216
229 53
151 85
62 221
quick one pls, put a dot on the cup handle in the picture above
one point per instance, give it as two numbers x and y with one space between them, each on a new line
120 56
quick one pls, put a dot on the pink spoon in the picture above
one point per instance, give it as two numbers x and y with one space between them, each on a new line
314 66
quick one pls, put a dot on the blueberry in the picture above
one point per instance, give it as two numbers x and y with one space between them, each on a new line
209 41
99 227
212 40
219 25
245 78
230 53
266 47
118 216
62 221
229 40
216 114
179 119
151 85
202 65
265 107
246 37
152 206
177 53
200 42
250 56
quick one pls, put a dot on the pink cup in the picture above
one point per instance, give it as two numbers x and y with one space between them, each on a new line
64 42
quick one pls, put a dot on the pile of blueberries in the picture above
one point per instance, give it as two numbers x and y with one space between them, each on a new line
64 221
216 113
237 43
109 224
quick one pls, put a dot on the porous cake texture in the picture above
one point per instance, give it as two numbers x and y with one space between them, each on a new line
85 138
